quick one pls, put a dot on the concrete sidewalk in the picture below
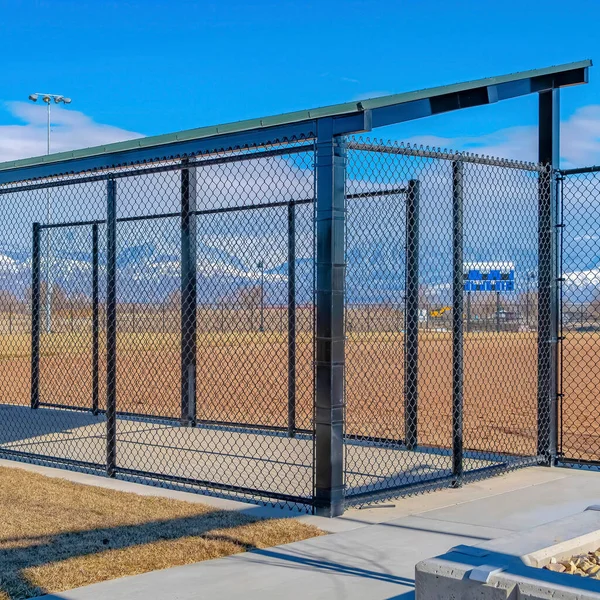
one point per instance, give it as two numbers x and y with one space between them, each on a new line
374 551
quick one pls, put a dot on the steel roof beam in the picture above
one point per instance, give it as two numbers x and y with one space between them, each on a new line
347 118
478 96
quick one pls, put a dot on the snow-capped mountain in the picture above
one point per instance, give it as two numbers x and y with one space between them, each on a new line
151 273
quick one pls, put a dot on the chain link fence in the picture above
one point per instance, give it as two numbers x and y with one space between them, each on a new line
441 318
579 437
159 321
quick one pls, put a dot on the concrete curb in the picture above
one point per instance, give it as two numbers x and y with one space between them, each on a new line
508 568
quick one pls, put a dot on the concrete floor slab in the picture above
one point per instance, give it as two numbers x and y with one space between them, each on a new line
373 561
253 459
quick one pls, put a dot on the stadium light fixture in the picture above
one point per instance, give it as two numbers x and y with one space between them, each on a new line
47 98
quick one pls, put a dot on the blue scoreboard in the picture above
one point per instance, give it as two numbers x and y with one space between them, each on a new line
489 277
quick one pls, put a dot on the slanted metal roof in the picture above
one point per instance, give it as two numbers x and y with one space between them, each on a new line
384 110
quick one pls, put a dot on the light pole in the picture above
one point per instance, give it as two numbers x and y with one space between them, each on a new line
530 278
48 98
261 266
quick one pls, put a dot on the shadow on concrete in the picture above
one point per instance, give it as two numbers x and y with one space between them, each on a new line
30 552
295 559
44 550
24 423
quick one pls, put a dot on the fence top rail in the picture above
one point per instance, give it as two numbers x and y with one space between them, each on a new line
580 170
441 154
165 166
381 193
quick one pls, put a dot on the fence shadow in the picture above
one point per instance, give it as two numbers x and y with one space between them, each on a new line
24 423
22 553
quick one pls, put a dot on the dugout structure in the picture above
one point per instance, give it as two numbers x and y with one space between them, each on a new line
237 309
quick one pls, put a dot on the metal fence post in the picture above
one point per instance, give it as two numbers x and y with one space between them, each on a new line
291 321
457 323
188 296
548 153
95 321
111 328
329 335
411 333
35 317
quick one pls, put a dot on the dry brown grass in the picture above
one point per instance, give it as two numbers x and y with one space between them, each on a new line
56 535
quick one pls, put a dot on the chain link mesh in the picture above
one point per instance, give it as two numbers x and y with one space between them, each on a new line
404 427
169 335
201 267
579 438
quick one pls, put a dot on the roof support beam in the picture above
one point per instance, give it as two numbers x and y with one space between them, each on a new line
356 122
347 118
478 96
255 138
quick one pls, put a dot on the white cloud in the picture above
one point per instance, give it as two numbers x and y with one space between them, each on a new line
590 277
580 140
71 129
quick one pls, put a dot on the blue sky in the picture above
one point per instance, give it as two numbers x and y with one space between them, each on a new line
149 67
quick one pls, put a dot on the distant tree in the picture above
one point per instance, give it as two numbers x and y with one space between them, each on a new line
173 300
593 309
248 297
60 300
80 301
7 300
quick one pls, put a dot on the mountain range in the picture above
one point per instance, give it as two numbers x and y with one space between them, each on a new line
147 273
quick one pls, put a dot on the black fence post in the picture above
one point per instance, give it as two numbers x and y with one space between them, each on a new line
291 321
329 335
188 296
457 323
111 328
411 333
95 321
548 153
35 317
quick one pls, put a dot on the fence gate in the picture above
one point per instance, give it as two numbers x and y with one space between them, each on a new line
579 419
442 253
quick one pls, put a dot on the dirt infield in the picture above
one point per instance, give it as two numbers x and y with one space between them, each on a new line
242 377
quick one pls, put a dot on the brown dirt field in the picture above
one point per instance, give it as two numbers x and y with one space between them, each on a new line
242 377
